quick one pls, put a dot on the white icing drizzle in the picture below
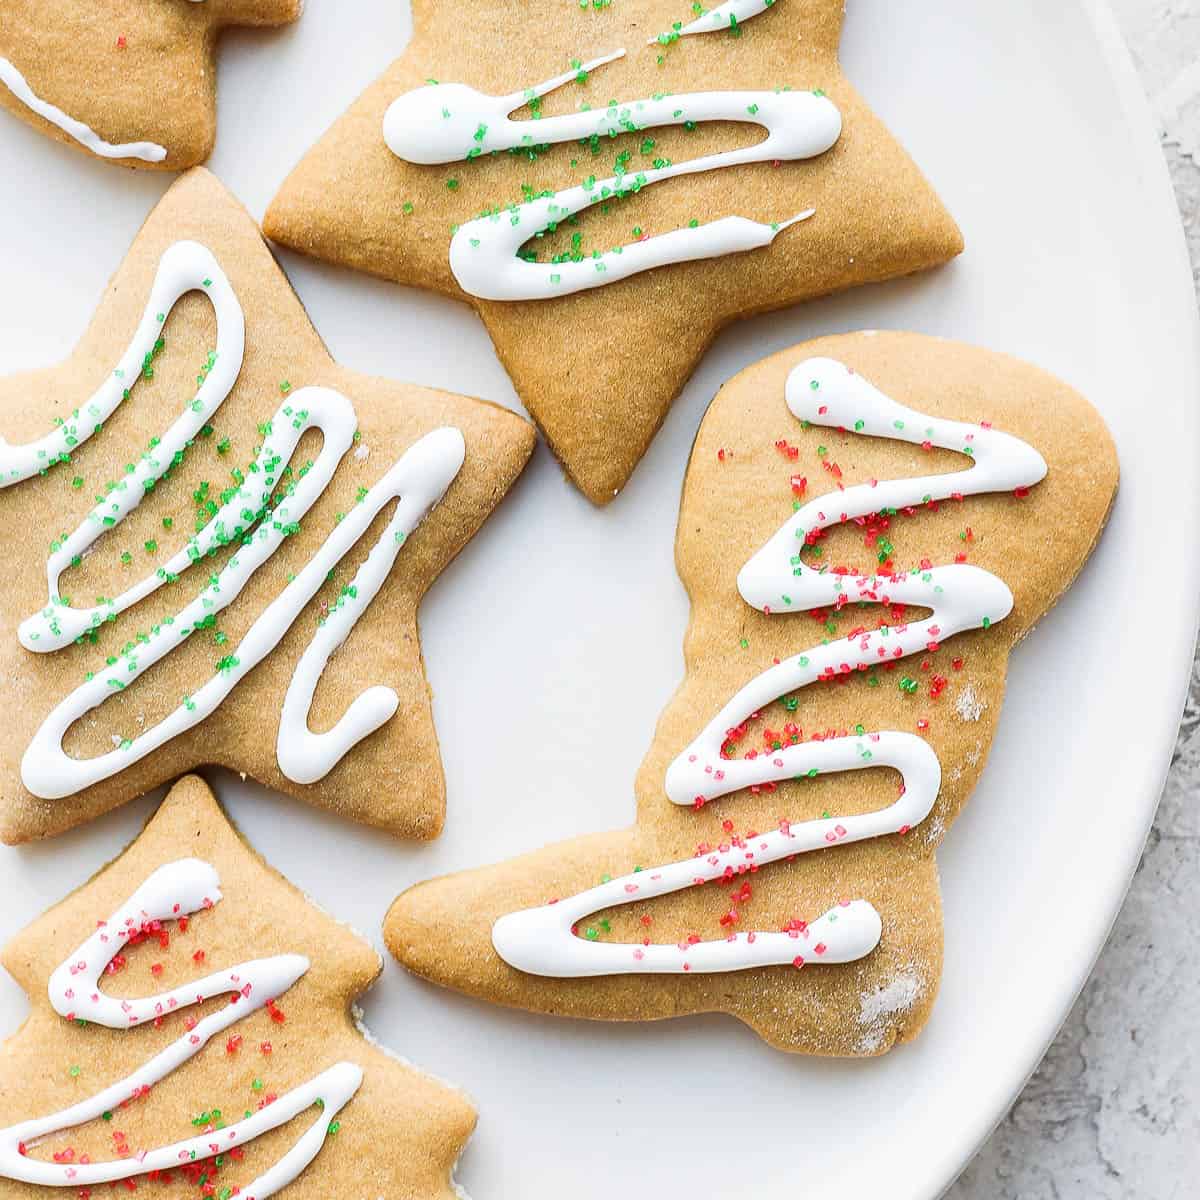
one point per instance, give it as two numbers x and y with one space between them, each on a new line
542 941
445 123
725 16
247 518
85 135
175 890
823 392
418 481
184 267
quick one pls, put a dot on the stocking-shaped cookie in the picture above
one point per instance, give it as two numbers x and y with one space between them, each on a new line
191 1031
869 524
212 549
610 185
130 81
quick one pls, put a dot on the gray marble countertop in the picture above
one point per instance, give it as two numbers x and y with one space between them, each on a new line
1113 1112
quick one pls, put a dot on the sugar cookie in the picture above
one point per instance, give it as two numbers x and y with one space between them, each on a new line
129 81
191 1030
611 186
855 596
200 507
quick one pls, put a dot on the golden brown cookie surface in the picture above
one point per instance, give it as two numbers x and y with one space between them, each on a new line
929 676
132 81
382 1128
285 423
598 369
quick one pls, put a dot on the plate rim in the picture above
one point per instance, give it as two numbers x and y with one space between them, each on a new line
1180 312
933 1175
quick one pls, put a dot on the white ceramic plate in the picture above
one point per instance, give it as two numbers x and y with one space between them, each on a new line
1028 118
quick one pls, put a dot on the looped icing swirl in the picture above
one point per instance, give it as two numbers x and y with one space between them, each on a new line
961 597
256 517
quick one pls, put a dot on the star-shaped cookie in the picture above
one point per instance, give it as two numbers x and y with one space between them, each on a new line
869 524
647 256
130 81
197 510
192 1010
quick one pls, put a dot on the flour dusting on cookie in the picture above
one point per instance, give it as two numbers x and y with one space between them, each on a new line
968 706
883 1002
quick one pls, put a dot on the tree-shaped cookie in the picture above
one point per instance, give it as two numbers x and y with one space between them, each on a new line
869 524
610 185
130 81
191 1030
212 544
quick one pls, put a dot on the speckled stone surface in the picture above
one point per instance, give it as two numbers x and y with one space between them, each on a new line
1113 1112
